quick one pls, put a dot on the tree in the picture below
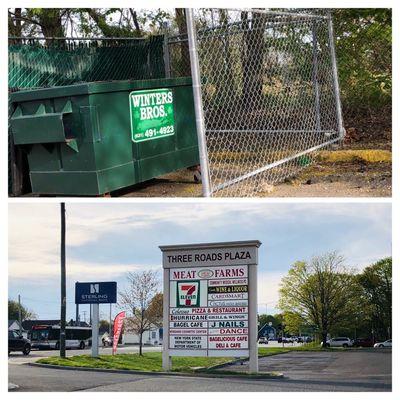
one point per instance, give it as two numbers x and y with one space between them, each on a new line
104 325
264 319
364 54
322 291
293 322
253 51
376 284
180 19
13 309
138 298
155 310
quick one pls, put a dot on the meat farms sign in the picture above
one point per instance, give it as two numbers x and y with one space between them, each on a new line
210 300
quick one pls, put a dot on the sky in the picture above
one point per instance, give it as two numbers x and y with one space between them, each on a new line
107 240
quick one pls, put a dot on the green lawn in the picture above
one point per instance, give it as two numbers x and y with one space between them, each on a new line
152 362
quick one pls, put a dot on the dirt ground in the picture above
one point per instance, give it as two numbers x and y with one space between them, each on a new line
344 179
355 177
337 174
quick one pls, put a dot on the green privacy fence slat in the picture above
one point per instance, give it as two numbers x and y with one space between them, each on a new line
32 64
36 63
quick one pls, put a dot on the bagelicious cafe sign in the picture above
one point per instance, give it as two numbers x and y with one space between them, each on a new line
210 304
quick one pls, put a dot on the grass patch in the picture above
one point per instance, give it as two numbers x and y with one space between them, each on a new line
149 362
370 156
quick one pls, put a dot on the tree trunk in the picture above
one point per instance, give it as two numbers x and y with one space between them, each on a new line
15 23
140 343
50 22
184 67
135 21
324 336
253 56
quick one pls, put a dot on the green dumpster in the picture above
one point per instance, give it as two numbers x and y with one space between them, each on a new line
93 138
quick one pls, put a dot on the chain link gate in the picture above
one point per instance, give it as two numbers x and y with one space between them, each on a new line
266 94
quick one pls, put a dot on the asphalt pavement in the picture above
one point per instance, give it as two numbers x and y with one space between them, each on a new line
360 370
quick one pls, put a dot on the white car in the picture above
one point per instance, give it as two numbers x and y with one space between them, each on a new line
386 343
339 342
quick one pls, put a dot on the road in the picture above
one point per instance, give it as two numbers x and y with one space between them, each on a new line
361 370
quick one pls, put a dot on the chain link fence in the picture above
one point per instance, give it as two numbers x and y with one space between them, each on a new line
268 95
34 63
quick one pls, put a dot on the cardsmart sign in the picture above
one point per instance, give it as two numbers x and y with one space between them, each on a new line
152 114
210 300
95 292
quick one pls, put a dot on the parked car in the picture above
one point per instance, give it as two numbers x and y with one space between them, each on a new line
386 343
339 342
263 340
363 342
285 340
16 342
304 339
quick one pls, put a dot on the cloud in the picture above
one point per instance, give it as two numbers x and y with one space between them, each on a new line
109 239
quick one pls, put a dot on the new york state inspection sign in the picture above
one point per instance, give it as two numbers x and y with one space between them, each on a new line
152 114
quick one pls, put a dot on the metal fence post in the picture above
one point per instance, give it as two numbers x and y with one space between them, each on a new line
335 76
198 104
315 78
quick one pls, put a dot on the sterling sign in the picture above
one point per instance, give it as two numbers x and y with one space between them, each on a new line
210 301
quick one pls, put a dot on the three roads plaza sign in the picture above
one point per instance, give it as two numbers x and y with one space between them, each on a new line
210 301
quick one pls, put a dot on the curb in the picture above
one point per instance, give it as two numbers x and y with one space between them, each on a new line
132 372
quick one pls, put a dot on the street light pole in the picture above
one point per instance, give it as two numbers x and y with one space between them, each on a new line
63 284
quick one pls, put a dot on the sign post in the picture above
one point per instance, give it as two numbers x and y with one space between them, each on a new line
95 330
95 293
210 301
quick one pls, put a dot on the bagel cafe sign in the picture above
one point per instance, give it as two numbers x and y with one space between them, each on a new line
210 301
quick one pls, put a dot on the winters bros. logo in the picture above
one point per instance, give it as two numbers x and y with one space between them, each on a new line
188 294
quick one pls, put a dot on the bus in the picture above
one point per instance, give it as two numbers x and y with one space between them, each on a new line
48 337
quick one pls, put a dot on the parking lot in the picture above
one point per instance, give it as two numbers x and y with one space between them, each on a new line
343 371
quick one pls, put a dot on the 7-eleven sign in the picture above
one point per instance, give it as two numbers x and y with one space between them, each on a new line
188 294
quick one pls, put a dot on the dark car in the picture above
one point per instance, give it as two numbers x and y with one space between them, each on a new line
363 342
285 340
16 342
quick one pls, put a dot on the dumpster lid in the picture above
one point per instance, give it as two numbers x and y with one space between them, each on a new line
97 87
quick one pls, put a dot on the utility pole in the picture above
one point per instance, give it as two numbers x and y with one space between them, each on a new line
63 284
19 315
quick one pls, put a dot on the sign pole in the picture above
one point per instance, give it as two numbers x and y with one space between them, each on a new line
253 351
166 359
95 330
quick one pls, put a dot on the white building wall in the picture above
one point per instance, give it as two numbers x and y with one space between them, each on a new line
151 337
